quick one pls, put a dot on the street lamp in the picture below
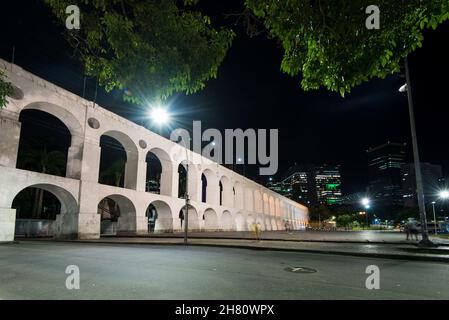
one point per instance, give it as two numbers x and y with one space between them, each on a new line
160 116
419 185
443 194
366 204
434 217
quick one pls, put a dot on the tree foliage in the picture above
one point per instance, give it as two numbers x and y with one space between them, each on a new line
328 44
320 212
6 90
150 49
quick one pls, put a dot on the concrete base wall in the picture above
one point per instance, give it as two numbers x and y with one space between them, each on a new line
7 224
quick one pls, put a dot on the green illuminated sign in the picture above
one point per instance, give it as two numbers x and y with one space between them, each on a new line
332 186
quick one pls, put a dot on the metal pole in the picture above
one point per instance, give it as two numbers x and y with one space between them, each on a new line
367 219
186 214
434 217
419 185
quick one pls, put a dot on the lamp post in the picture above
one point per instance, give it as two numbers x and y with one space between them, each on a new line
366 204
443 194
419 185
160 116
187 198
434 217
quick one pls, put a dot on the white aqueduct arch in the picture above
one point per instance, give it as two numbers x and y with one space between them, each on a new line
243 201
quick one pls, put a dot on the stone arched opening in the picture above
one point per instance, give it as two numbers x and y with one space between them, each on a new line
159 172
227 221
239 197
118 215
226 192
210 187
64 134
210 219
250 221
118 160
61 221
159 217
44 143
258 202
193 221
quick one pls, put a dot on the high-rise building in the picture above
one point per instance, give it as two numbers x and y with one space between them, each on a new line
385 175
310 184
328 185
432 177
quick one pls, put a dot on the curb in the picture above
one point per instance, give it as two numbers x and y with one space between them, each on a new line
237 246
283 240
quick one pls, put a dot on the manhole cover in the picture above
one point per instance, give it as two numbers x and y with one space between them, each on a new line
300 270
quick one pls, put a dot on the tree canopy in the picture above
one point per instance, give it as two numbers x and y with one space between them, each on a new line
150 49
327 43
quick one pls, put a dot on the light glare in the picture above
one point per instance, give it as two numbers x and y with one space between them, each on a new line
444 194
159 115
365 202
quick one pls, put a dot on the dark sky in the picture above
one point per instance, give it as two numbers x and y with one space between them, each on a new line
251 92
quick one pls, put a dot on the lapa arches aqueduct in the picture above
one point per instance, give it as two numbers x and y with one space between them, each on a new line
229 201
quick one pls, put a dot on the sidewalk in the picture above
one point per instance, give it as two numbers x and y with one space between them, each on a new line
371 237
402 251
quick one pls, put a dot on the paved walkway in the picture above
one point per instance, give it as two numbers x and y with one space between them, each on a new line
380 237
398 250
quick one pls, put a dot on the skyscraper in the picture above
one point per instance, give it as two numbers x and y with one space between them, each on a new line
311 184
385 176
328 185
432 175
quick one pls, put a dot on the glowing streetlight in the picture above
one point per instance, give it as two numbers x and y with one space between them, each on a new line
444 194
366 202
159 115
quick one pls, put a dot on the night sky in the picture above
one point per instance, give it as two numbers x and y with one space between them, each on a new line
251 92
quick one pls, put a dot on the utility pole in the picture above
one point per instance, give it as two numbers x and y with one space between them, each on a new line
419 185
186 214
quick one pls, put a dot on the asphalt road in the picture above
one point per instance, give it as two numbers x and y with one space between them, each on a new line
36 270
